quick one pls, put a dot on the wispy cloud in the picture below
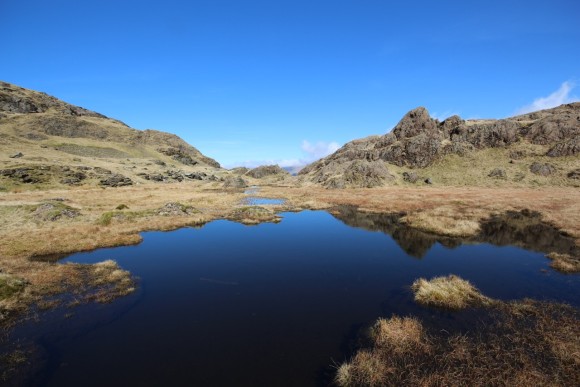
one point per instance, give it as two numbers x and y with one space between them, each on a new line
310 152
557 98
444 115
318 150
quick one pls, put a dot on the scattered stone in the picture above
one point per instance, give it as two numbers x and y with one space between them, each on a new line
498 173
116 180
73 178
25 175
16 155
176 209
542 169
410 177
54 211
196 175
428 181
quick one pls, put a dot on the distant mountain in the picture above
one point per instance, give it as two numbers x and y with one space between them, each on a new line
40 133
419 141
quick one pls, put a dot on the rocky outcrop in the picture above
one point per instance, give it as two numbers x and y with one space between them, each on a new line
14 99
234 182
418 140
568 147
116 180
266 170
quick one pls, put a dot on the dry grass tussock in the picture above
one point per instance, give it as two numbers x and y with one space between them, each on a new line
564 263
526 343
449 292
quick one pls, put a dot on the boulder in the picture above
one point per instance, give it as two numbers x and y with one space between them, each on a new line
410 177
542 169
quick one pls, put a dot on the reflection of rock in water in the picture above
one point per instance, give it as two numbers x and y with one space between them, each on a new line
415 243
526 229
523 229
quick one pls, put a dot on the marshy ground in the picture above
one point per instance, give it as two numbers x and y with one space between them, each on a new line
38 226
510 344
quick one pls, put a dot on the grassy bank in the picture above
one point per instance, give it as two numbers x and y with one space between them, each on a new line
517 343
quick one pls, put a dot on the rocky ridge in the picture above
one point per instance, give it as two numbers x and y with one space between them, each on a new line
418 141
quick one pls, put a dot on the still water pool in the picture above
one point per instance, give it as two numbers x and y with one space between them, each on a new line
267 305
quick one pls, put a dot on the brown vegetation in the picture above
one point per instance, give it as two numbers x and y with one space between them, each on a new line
522 343
449 292
565 263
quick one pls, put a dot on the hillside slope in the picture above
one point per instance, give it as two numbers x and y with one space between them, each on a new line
47 142
537 148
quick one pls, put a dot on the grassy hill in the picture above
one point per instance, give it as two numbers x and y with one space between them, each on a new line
47 143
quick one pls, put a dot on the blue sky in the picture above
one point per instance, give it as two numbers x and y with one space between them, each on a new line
249 82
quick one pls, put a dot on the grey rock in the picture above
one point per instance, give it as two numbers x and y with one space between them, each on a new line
16 155
542 169
417 121
568 147
428 181
176 209
116 180
410 177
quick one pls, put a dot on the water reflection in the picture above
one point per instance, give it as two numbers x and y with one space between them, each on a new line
522 229
255 201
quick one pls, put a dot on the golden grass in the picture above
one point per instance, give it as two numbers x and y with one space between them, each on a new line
564 263
559 206
449 292
522 343
400 334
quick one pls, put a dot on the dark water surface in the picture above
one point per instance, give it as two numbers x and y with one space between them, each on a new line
268 305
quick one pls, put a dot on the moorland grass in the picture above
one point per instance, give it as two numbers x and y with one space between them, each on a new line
526 343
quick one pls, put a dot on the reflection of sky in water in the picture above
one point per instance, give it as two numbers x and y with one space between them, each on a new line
253 201
272 304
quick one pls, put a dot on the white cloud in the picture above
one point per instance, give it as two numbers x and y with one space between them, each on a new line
444 115
310 152
319 149
557 98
